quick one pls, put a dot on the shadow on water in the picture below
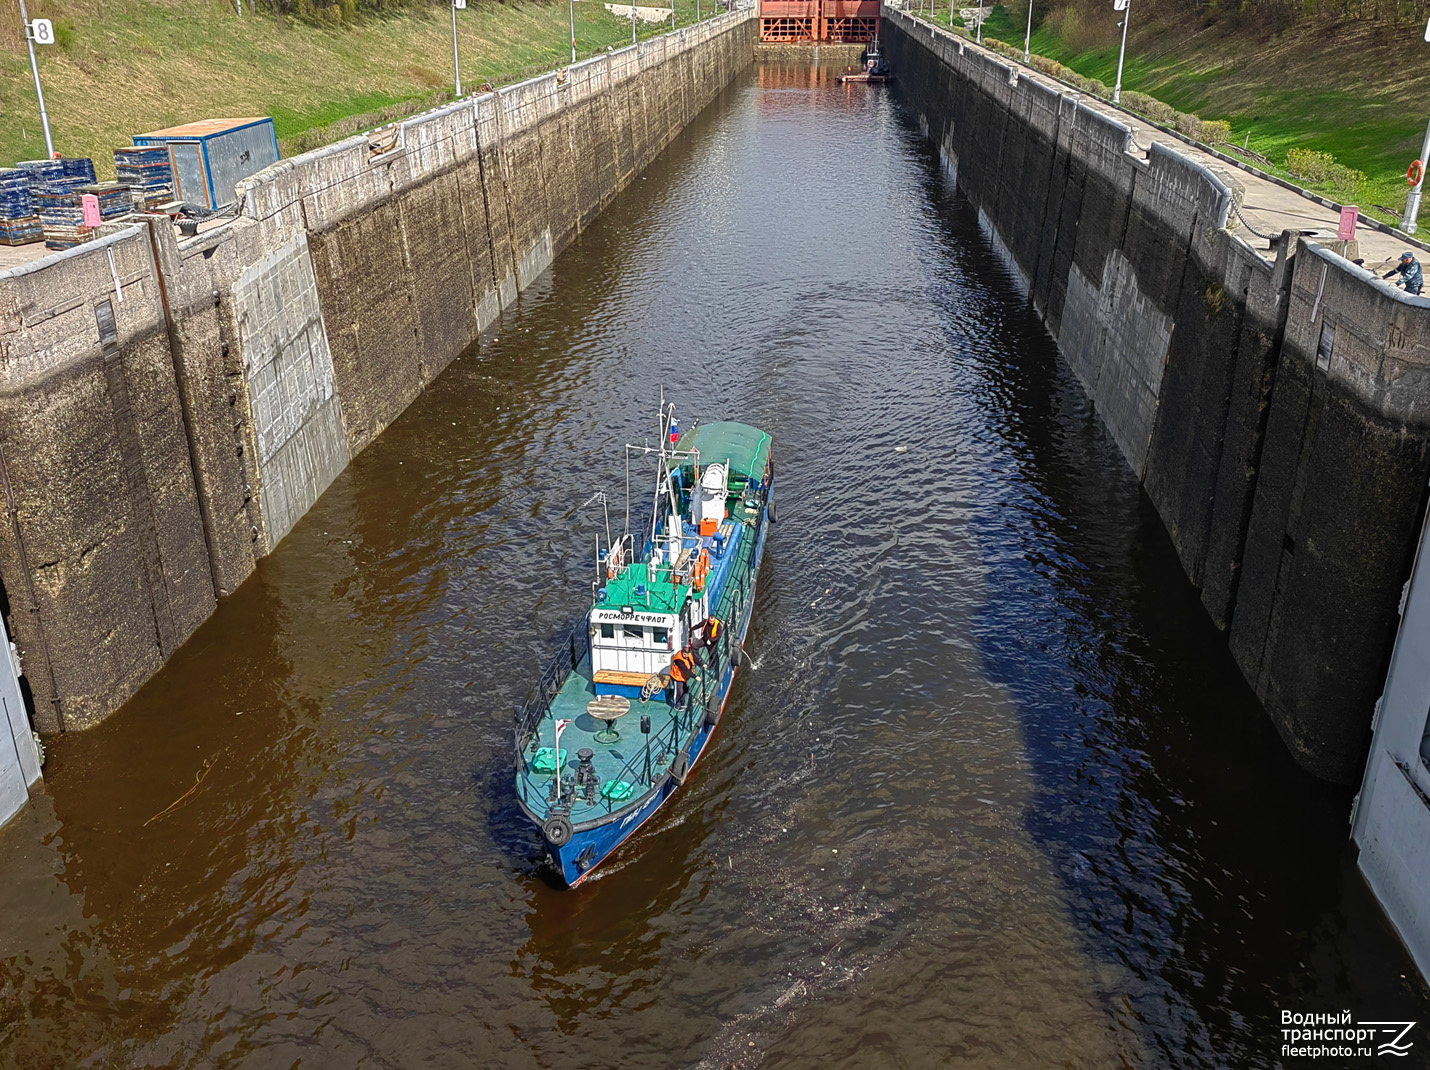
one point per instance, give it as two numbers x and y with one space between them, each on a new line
1198 859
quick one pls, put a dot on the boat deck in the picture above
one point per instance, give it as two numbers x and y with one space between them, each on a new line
621 761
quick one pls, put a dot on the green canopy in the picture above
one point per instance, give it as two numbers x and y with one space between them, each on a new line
746 448
658 594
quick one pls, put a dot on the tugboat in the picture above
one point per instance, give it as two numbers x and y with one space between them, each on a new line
874 69
627 708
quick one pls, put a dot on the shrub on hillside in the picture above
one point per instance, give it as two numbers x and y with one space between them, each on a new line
1151 107
1188 125
1322 167
1315 166
336 12
1215 131
1347 181
1067 74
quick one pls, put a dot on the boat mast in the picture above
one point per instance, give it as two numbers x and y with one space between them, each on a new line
660 470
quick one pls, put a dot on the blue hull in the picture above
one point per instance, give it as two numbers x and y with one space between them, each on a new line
592 844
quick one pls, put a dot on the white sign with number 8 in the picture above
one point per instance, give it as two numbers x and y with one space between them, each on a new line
42 31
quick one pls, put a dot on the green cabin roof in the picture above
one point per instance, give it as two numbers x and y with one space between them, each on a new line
661 596
746 448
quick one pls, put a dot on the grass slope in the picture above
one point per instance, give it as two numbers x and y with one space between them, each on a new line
126 66
1354 88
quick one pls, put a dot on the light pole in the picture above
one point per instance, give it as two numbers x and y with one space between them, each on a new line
456 55
1412 203
571 7
980 21
1124 6
46 33
1028 35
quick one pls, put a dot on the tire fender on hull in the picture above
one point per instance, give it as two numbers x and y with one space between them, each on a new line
680 768
557 830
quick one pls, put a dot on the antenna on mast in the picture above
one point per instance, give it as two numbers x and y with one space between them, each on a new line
600 496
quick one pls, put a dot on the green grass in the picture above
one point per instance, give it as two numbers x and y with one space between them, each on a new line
135 65
1364 102
289 122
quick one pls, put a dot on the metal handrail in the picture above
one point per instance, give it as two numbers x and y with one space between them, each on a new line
530 713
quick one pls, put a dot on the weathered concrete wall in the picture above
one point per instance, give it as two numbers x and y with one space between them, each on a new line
1291 486
291 393
168 411
104 556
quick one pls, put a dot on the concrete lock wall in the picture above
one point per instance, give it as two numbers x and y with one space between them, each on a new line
169 410
1276 413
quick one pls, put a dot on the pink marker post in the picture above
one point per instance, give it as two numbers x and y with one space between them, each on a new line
90 203
1347 230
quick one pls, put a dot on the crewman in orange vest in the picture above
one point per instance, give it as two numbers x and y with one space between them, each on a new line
682 668
706 639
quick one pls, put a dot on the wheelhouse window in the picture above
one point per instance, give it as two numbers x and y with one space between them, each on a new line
608 631
634 632
660 636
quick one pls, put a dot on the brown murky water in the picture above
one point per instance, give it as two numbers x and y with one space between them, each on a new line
994 795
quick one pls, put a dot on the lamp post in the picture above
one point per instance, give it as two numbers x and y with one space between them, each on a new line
456 55
1412 203
633 23
1124 6
43 31
1028 34
571 7
980 22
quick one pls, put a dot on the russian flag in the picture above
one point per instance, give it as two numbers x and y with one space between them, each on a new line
674 432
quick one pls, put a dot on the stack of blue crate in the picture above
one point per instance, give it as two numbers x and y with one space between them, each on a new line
115 198
78 170
148 171
19 225
43 172
64 228
15 200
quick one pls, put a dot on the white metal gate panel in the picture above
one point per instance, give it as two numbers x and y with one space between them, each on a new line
19 757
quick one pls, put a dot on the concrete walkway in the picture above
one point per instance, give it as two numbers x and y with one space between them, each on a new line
1267 207
15 255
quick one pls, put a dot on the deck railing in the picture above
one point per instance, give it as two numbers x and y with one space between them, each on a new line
533 711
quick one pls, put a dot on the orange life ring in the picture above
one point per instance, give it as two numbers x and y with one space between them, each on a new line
701 571
1415 172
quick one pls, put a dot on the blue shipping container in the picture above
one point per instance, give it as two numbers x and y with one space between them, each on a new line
210 158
